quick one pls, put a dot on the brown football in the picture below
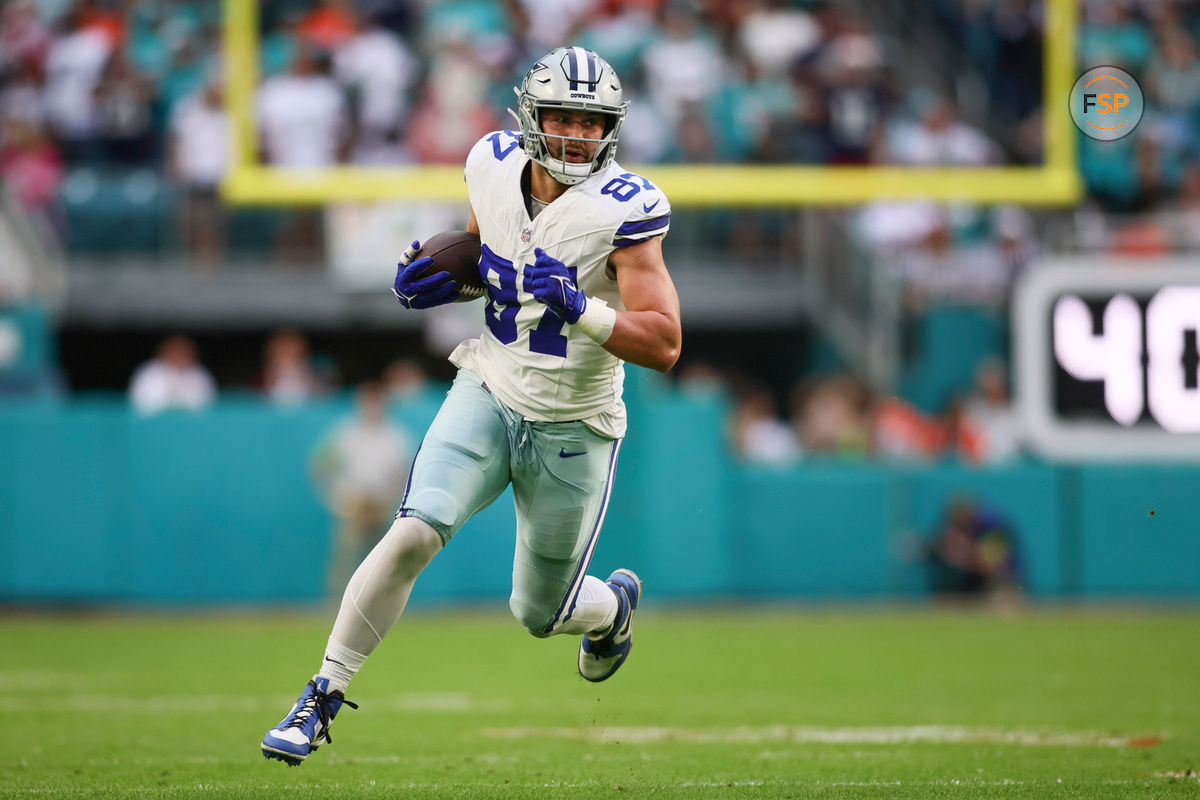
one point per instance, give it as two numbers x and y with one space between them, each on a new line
456 252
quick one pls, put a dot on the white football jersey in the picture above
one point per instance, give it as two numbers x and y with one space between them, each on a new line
534 362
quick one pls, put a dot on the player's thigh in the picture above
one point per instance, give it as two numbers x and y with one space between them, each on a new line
462 464
560 509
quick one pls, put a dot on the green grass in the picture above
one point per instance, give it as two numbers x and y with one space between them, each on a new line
805 704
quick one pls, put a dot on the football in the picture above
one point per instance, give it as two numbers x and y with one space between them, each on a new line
456 252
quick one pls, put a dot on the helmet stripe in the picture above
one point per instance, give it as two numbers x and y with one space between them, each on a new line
588 58
573 68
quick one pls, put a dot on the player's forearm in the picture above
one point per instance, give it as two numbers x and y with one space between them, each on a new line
646 338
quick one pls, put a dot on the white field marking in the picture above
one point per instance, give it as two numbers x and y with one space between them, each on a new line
1190 774
436 702
38 679
800 734
392 758
446 702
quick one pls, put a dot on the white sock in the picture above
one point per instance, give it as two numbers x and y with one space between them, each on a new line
595 610
340 665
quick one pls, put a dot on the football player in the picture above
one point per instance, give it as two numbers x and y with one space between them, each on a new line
572 256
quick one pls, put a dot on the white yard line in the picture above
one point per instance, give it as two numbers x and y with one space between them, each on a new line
802 734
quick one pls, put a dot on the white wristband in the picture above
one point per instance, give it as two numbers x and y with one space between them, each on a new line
597 320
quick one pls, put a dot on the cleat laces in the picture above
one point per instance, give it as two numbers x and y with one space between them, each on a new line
317 704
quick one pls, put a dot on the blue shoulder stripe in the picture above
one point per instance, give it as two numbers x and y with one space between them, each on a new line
628 242
644 225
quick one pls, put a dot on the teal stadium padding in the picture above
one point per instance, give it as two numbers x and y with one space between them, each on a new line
99 505
28 356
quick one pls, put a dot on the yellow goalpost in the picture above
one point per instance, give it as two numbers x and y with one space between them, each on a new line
1055 182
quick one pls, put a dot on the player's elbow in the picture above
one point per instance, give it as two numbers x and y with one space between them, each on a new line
666 357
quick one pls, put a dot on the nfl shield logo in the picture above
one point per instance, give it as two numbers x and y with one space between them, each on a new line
525 234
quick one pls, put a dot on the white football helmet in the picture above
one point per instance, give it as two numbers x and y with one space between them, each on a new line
570 77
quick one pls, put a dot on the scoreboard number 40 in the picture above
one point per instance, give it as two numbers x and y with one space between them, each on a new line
1106 358
1151 362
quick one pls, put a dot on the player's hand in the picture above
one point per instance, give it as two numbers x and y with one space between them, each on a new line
553 285
411 292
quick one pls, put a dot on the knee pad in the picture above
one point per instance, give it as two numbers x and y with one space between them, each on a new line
533 618
436 507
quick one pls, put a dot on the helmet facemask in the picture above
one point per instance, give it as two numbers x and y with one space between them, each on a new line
577 79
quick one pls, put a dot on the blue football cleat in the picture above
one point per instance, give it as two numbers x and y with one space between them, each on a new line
302 730
600 658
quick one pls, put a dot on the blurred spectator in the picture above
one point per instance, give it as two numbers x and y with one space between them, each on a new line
289 376
277 49
960 437
773 35
856 101
1111 34
328 24
173 379
97 16
31 167
74 67
24 39
941 271
695 139
404 380
903 433
302 114
124 100
303 124
686 66
377 70
455 110
1173 78
542 25
974 552
992 416
937 137
832 417
701 379
198 159
360 469
192 64
759 436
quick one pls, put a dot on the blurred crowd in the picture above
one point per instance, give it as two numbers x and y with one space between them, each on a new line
837 416
137 84
289 374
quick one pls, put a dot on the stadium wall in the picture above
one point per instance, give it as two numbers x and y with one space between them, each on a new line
101 506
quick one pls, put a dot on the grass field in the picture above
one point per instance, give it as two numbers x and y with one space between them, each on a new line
804 704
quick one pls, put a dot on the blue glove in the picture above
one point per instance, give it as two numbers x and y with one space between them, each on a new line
434 290
553 285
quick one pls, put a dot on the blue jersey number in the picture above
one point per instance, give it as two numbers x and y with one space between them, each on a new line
626 185
503 305
547 337
501 152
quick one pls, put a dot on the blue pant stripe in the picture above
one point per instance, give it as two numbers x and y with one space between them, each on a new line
572 594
